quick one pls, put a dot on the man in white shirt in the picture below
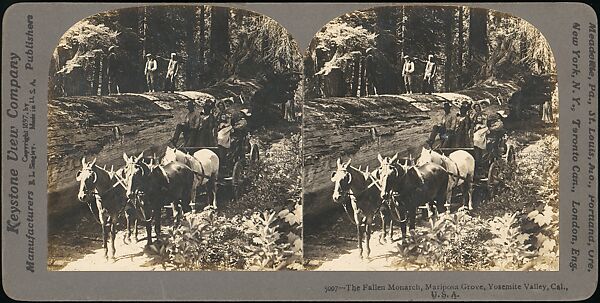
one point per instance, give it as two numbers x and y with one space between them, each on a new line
430 69
407 70
150 71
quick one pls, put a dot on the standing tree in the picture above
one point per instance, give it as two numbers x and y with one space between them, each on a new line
461 43
219 40
478 39
449 29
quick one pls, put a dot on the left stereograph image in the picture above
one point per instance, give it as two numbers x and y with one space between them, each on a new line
174 142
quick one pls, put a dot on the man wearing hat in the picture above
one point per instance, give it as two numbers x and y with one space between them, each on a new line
172 70
430 69
190 126
150 71
207 132
407 70
446 128
112 70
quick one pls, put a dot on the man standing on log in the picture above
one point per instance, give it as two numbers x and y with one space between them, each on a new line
430 69
172 70
407 70
112 71
150 71
189 127
446 128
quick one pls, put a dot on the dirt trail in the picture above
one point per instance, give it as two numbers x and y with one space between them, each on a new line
128 257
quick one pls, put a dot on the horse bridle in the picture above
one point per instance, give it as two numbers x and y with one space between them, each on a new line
137 194
350 195
94 193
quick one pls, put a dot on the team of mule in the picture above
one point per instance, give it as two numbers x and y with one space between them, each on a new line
396 190
140 189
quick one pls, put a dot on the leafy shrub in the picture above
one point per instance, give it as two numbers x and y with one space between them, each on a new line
452 243
278 181
203 241
546 213
266 240
507 249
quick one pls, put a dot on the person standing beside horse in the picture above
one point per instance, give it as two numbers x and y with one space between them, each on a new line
480 131
172 70
150 72
463 127
407 70
189 127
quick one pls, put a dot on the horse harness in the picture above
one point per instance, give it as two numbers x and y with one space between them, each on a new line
98 196
352 195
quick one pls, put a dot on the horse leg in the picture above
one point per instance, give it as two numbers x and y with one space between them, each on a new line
195 184
369 224
429 214
149 232
214 190
128 219
448 197
135 228
469 192
412 214
359 233
403 219
157 222
383 229
113 233
105 239
391 229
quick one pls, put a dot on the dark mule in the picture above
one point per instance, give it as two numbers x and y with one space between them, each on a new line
154 187
104 192
413 186
359 193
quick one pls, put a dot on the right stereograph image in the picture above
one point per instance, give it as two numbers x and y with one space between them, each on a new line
430 142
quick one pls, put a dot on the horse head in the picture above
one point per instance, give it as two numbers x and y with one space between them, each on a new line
342 179
134 170
87 178
170 156
425 156
389 172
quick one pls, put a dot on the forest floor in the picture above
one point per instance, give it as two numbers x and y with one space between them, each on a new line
331 244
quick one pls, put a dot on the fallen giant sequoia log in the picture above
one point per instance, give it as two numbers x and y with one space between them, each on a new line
104 127
360 128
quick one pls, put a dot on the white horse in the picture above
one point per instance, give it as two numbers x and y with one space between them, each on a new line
204 163
460 166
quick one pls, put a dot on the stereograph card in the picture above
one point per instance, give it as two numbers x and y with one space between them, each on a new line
299 151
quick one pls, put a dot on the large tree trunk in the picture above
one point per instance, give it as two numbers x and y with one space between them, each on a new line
461 43
478 38
219 38
449 51
202 45
191 66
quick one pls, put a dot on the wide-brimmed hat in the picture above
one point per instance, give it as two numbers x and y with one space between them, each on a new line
406 57
447 104
148 55
502 113
246 112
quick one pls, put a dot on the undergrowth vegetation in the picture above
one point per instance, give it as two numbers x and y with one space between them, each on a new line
515 230
265 233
